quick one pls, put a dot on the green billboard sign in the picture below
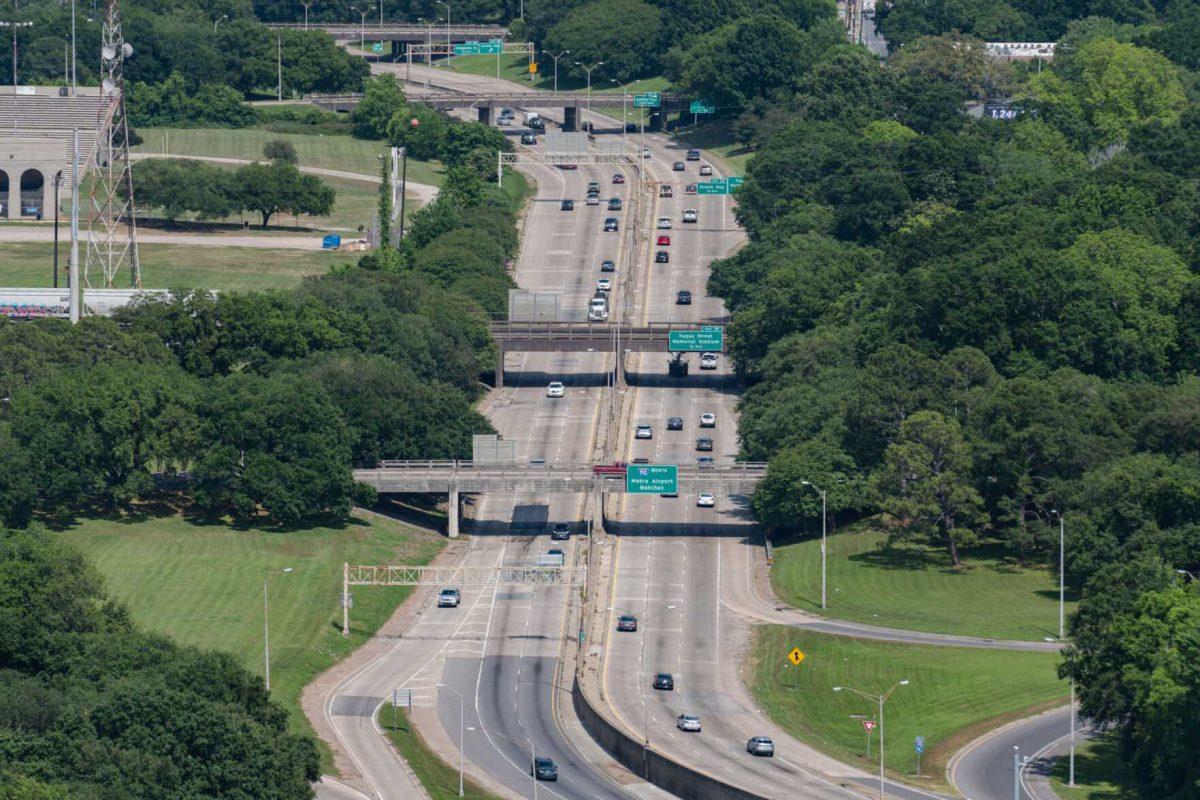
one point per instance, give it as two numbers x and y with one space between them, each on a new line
706 340
652 479
701 107
377 47
647 100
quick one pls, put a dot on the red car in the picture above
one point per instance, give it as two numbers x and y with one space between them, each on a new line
618 178
610 469
664 241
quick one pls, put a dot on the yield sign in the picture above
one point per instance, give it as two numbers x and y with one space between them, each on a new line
869 724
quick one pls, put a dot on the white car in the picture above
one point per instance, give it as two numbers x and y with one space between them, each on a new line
705 169
708 361
690 215
706 500
593 199
645 152
555 389
708 420
448 598
604 284
688 722
643 432
664 223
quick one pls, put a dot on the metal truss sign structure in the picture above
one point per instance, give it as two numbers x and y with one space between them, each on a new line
559 159
400 575
427 51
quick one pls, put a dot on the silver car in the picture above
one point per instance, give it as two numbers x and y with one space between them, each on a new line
760 746
708 420
688 722
643 432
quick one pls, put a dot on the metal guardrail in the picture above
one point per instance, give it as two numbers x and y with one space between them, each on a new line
518 99
402 28
402 575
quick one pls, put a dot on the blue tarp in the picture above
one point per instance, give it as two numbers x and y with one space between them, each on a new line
331 241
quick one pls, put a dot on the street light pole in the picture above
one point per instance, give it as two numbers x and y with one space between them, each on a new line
1062 591
1071 769
461 743
880 699
267 625
449 49
218 20
381 13
588 70
824 516
306 6
556 58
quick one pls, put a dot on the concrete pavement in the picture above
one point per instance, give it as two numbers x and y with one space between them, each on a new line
983 770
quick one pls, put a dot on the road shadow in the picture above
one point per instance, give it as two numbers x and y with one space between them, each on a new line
523 379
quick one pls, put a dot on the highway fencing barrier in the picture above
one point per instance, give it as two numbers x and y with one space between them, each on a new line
656 768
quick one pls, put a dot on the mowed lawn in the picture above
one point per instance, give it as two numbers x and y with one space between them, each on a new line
1099 773
344 153
954 694
181 266
914 586
203 585
717 136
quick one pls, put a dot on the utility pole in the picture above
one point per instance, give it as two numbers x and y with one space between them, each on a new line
75 296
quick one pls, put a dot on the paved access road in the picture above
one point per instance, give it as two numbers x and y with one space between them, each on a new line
983 770
45 233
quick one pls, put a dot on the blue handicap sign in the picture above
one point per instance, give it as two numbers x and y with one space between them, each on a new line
919 744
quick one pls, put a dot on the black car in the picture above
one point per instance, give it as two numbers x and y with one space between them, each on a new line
608 265
568 205
664 681
610 225
662 257
675 424
537 123
678 166
704 444
683 298
627 623
560 531
529 137
544 769
614 204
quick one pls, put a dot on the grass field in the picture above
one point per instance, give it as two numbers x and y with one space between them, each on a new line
717 136
1099 774
343 153
914 586
167 266
952 693
438 777
203 585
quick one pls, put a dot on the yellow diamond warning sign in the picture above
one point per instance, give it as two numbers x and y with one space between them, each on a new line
796 656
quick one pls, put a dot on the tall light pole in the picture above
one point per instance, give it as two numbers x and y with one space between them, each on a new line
74 85
1062 570
823 518
1071 768
881 699
362 29
218 21
556 58
267 623
306 7
381 13
461 743
14 26
588 70
449 49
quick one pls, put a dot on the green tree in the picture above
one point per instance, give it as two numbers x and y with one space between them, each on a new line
925 482
280 150
180 186
385 203
783 499
1120 86
382 100
623 34
279 187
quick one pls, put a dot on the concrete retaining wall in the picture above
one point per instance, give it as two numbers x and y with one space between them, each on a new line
656 768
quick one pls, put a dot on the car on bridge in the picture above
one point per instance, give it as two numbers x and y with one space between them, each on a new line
608 265
643 432
528 137
616 468
706 500
704 444
675 424
567 205
449 598
627 623
708 361
760 746
689 723
555 389
544 769
684 298
708 420
561 531
705 462
664 682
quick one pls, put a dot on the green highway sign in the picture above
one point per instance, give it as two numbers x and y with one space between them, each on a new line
701 107
377 47
466 49
647 100
712 187
491 48
734 181
652 479
710 339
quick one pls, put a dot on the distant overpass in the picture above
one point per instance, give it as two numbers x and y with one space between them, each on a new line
397 31
455 477
581 337
570 102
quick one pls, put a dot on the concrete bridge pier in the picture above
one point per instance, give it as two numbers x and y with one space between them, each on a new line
570 118
485 114
452 514
499 365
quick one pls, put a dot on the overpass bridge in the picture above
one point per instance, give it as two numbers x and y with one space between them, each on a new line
455 477
484 102
396 32
581 337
